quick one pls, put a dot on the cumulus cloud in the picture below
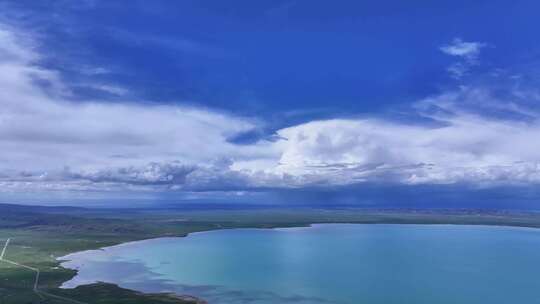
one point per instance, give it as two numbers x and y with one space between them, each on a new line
467 149
42 130
49 142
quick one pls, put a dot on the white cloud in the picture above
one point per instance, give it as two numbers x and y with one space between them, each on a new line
42 130
94 70
468 148
468 52
49 142
460 48
111 89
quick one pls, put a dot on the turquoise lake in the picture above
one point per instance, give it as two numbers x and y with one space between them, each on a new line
331 263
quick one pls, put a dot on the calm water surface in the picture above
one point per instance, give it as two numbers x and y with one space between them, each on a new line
336 263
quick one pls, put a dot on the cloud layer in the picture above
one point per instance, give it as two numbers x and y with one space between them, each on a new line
50 142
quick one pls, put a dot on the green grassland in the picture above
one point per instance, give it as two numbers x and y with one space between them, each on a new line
39 235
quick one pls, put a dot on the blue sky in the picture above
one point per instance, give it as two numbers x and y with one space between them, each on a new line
247 100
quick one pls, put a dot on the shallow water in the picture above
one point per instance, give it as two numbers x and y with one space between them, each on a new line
335 263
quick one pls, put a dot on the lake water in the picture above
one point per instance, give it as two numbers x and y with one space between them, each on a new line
334 263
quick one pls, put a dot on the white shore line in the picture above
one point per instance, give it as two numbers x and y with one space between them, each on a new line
35 288
68 257
305 226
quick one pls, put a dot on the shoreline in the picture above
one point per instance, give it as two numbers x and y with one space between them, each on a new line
286 228
45 236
